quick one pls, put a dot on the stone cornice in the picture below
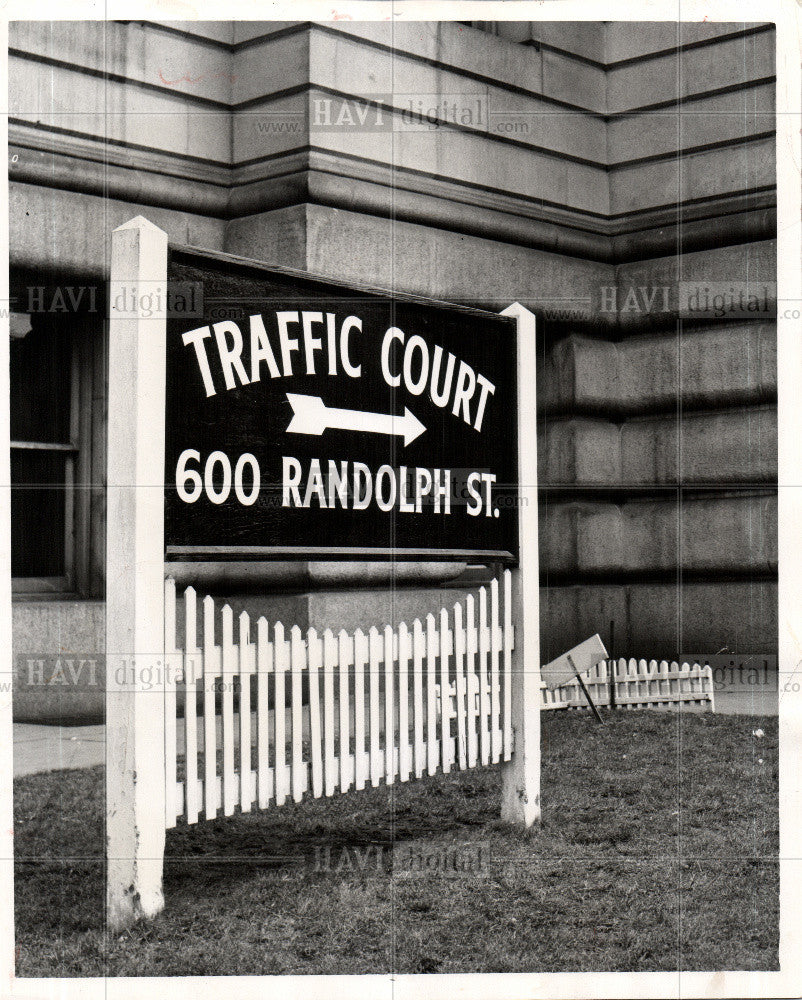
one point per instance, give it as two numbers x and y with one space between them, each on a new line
63 160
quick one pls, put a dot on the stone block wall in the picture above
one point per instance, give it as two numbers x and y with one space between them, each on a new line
594 172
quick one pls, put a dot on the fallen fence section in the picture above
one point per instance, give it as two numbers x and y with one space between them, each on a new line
639 684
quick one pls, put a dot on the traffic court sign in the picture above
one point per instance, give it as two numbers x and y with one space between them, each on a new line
305 417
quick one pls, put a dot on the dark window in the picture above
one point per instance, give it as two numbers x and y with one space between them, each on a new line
44 450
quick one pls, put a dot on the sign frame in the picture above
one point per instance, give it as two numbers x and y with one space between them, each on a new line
184 259
136 814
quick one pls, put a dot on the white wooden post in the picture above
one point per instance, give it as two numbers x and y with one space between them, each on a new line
520 795
6 659
135 756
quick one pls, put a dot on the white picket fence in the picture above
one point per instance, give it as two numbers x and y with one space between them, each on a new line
639 684
373 710
327 713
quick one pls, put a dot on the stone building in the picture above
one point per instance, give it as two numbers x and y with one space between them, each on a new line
616 178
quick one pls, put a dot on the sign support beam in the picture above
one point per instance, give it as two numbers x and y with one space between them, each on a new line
135 753
520 795
6 659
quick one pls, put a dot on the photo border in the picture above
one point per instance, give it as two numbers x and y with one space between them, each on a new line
788 981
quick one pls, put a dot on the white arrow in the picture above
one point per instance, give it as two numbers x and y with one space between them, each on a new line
310 415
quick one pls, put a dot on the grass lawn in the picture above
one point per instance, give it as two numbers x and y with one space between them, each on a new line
658 851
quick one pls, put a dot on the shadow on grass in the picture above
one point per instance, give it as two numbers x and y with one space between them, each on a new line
658 850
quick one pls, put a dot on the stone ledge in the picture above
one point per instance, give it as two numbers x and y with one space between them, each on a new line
662 620
708 448
717 365
126 171
716 535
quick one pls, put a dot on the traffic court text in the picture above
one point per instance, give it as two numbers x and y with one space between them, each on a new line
310 343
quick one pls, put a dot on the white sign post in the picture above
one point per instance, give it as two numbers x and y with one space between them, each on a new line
520 795
135 624
6 671
135 787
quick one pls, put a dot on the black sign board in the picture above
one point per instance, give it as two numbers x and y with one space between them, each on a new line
306 418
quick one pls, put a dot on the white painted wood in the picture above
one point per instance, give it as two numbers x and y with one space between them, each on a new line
264 668
495 676
662 671
472 679
418 652
135 785
171 661
709 688
640 684
191 673
520 797
580 659
446 743
247 656
360 756
314 648
508 641
7 940
346 645
329 668
483 631
461 686
281 657
390 756
404 748
229 671
431 697
210 658
654 683
297 665
375 652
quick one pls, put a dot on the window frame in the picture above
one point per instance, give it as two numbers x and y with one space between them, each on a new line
76 499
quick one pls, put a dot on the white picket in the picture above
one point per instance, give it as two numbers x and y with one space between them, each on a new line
638 668
663 686
418 648
229 654
639 684
210 657
472 681
654 683
246 664
415 738
360 756
404 747
390 759
447 748
495 684
665 680
297 664
460 686
314 659
431 696
346 646
280 664
264 665
192 654
329 666
676 684
375 652
507 650
484 704
708 673
171 661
